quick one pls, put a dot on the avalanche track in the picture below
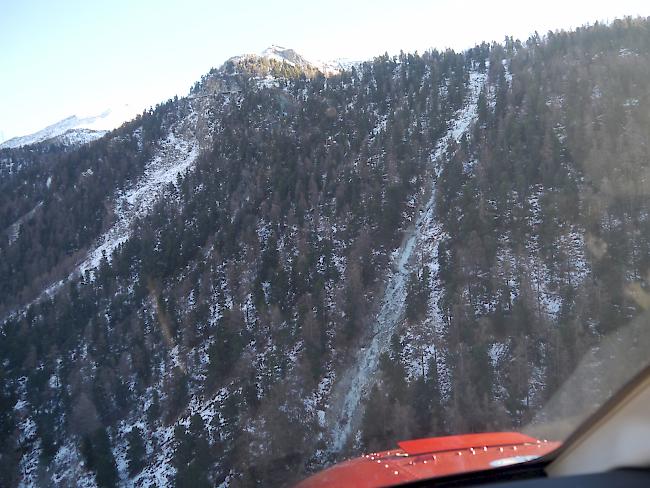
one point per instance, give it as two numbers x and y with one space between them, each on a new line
346 410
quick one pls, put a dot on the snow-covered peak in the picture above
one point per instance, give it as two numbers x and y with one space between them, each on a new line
289 56
279 54
293 58
77 129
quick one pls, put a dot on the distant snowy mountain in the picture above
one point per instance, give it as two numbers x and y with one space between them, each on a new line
76 137
76 130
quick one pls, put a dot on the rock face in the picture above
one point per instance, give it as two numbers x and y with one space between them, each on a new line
292 265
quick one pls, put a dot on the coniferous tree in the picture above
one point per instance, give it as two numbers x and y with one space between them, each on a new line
136 451
96 450
191 457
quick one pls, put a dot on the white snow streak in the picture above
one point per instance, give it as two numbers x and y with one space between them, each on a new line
175 157
177 154
345 415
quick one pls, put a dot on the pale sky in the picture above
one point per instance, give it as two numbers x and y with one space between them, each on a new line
67 57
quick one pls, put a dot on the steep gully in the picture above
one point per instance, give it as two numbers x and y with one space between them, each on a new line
346 407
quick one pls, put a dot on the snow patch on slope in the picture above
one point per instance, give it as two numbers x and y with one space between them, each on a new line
13 231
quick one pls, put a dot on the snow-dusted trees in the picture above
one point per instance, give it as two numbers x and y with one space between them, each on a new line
96 451
136 451
418 293
249 286
192 455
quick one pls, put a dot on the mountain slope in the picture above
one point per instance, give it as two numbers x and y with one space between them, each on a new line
283 268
